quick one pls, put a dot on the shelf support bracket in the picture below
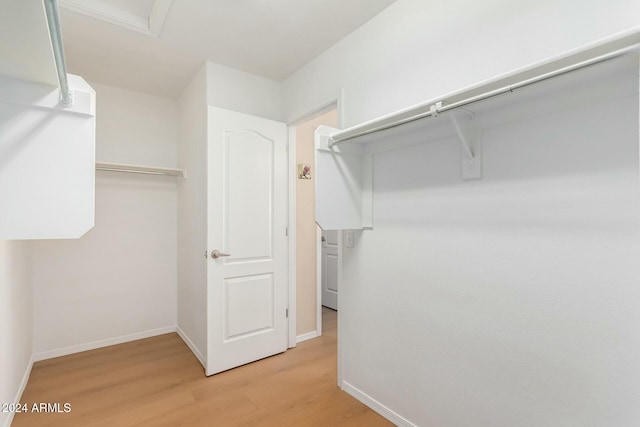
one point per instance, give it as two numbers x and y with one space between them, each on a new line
470 136
434 110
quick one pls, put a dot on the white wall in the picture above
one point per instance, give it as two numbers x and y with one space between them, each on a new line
192 216
136 128
509 301
243 92
16 322
118 282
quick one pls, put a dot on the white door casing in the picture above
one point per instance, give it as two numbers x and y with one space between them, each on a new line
247 291
330 269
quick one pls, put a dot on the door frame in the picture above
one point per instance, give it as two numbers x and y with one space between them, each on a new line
333 103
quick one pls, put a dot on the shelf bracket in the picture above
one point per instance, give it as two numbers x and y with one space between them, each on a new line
434 110
470 137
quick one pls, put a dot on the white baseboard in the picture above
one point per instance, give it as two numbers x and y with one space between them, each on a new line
18 398
389 414
192 346
308 336
102 343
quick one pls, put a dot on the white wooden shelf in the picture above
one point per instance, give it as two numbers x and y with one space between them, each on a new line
147 170
345 158
554 67
47 149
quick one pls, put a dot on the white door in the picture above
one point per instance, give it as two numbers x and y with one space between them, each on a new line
247 288
330 269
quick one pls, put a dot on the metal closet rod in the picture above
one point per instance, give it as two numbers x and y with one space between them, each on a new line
146 170
435 107
53 19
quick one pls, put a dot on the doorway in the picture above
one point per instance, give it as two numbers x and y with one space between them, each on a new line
311 251
328 266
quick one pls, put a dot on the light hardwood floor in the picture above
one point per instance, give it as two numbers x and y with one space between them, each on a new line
158 382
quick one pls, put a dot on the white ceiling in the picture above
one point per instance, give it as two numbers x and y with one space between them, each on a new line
137 7
269 38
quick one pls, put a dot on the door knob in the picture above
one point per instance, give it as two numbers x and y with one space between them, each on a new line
215 254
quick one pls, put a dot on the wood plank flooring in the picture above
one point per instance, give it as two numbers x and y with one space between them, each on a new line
158 382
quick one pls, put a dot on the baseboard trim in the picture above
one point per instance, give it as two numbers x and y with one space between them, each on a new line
191 346
386 412
102 343
20 391
308 336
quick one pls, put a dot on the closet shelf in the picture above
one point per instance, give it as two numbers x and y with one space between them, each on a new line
345 183
47 142
500 85
147 170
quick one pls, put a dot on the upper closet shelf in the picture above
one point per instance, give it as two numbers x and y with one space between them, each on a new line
572 61
147 170
345 184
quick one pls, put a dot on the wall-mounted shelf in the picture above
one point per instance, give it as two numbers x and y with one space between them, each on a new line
572 61
47 142
146 170
345 159
343 184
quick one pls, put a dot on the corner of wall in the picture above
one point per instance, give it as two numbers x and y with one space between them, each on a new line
192 223
16 322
